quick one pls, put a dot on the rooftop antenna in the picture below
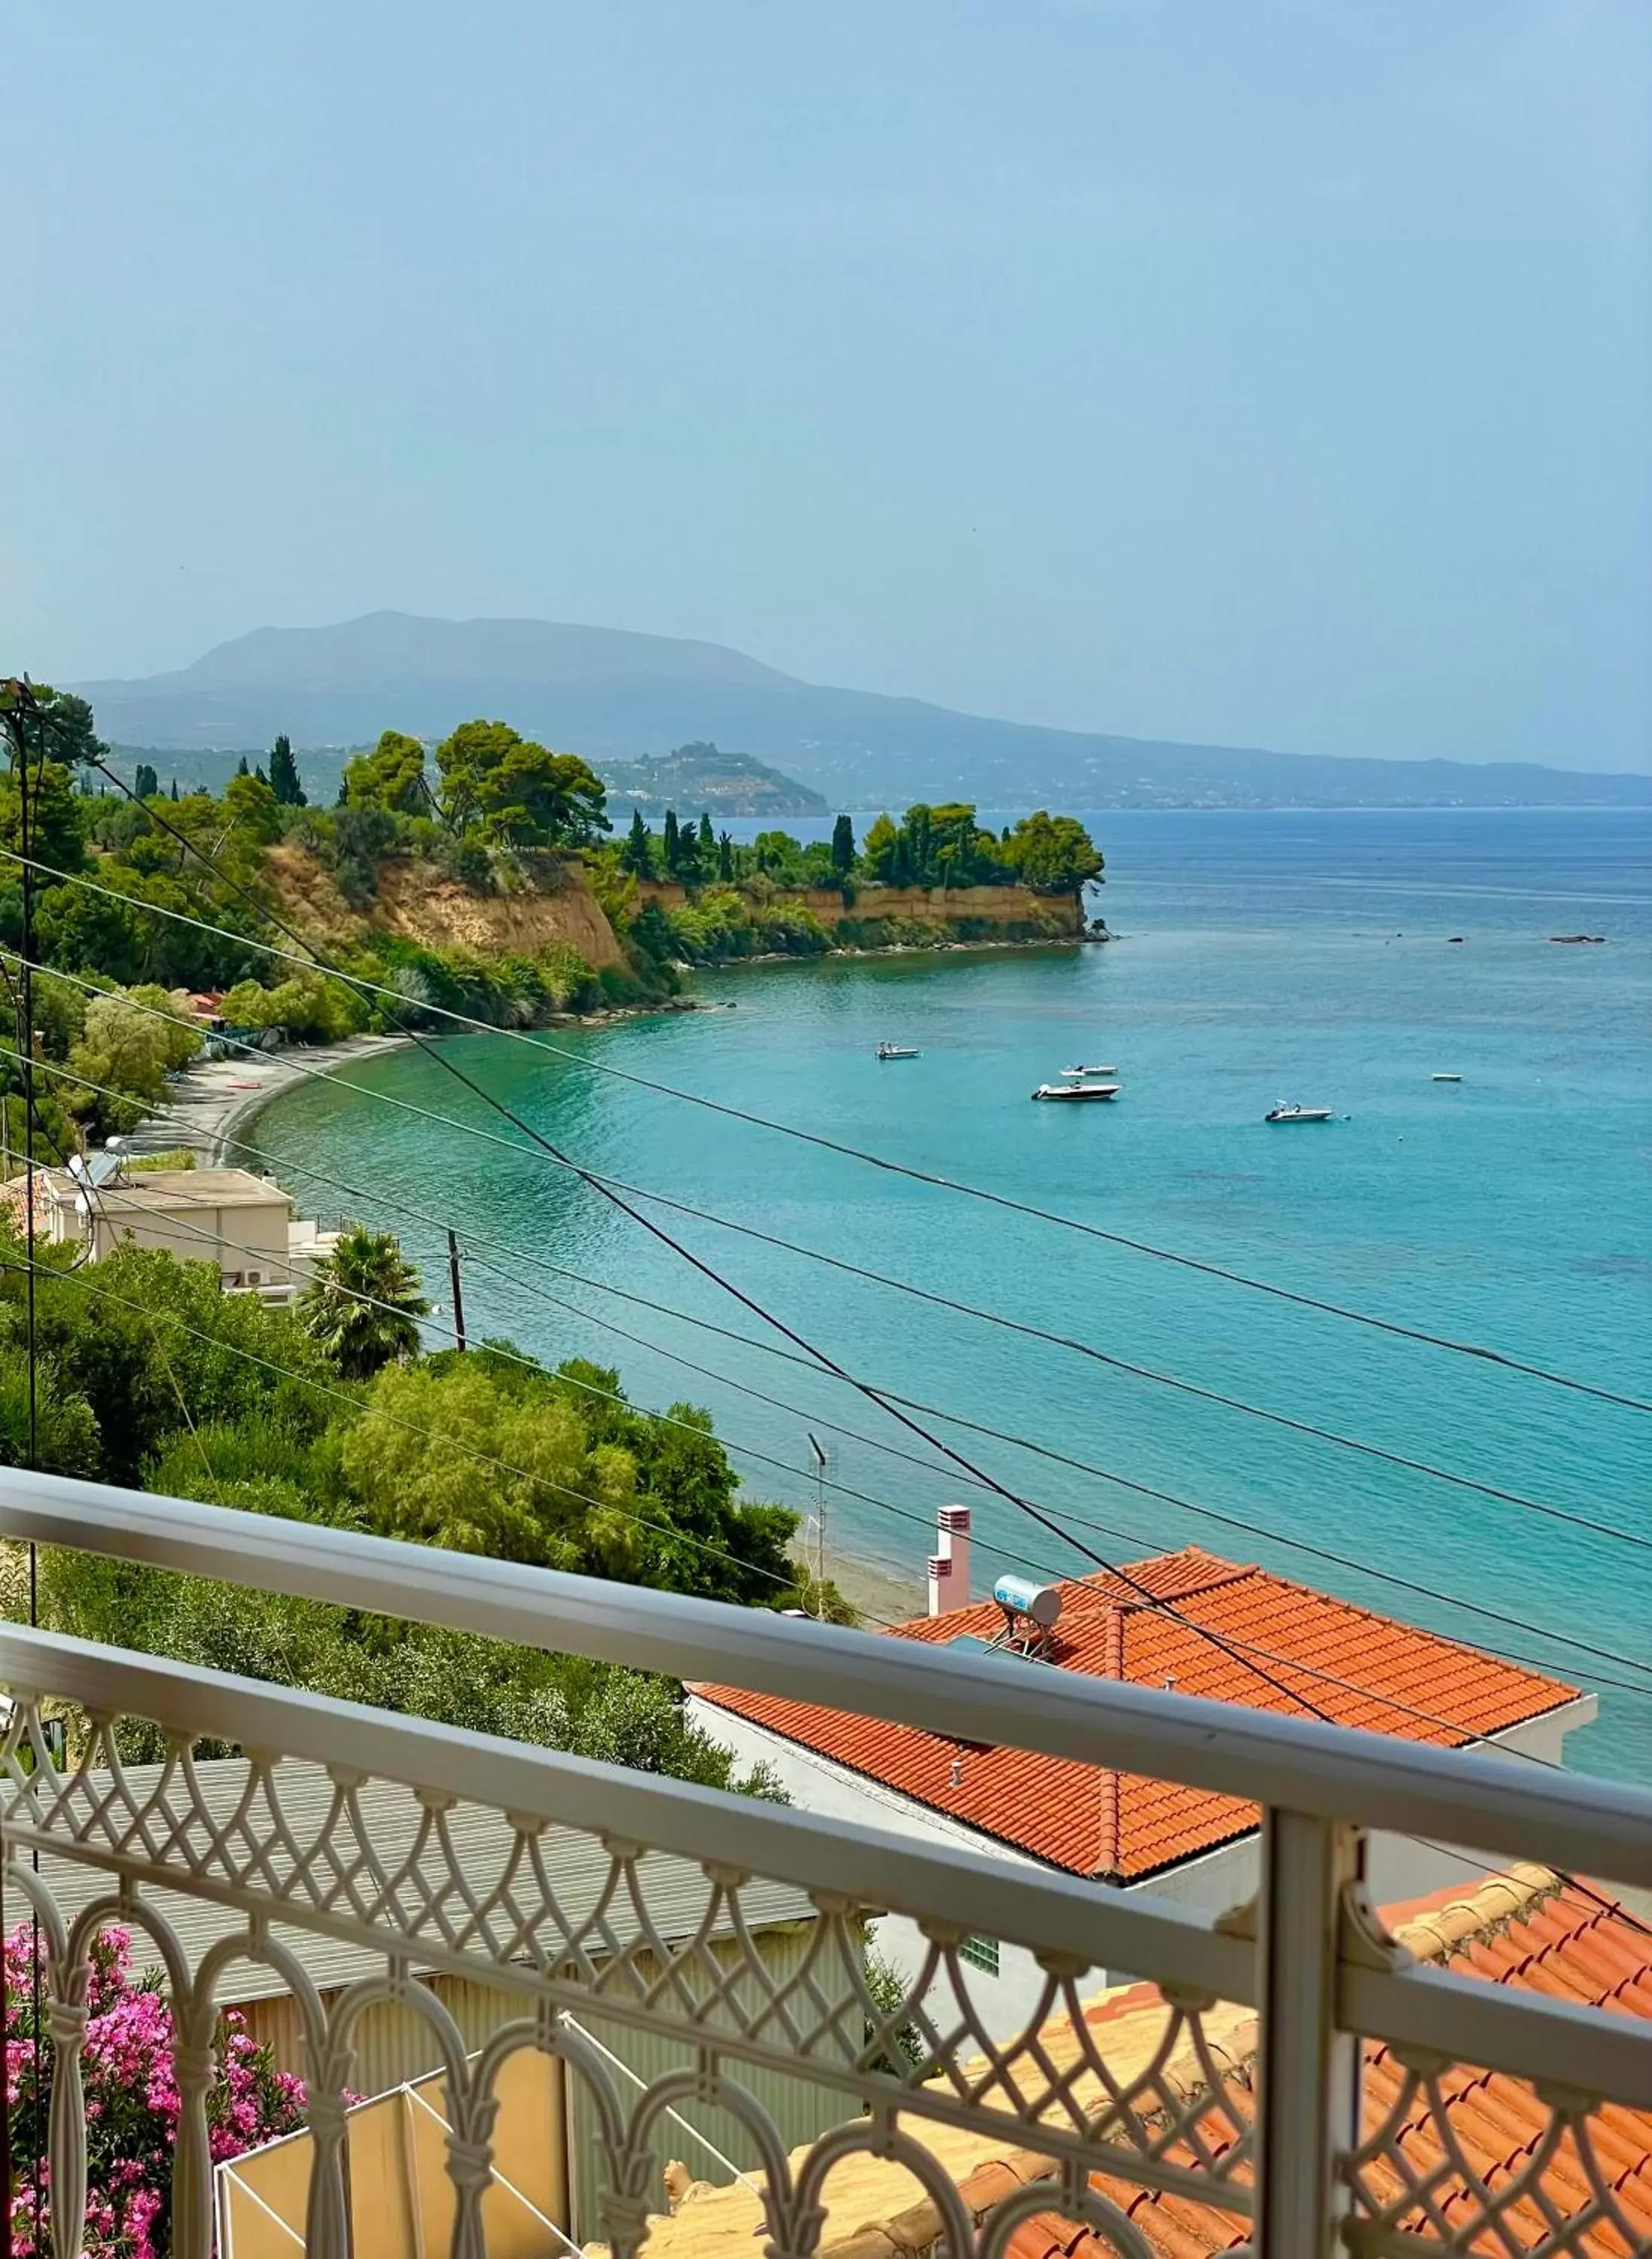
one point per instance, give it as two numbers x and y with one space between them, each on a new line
821 1461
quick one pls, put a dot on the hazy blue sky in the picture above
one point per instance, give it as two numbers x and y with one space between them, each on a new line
1272 371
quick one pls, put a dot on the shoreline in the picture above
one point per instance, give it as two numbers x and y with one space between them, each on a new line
943 944
218 1095
877 1592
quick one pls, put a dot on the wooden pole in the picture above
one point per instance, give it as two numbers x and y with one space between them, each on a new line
459 1300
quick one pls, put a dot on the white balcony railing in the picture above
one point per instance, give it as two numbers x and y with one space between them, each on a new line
468 1881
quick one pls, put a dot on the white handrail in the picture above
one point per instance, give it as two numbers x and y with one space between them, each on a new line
1572 1820
1022 1904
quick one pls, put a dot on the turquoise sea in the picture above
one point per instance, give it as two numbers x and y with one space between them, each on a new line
1260 957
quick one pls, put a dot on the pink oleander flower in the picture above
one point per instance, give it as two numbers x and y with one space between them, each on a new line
132 2102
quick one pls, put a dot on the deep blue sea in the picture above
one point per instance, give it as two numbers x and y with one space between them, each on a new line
1260 957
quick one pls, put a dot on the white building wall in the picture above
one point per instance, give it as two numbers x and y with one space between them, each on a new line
1398 1867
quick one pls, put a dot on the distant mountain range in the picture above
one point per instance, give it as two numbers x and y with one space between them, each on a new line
617 697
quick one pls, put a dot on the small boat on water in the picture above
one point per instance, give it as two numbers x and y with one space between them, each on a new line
1448 1077
1083 1073
1074 1092
897 1050
1284 1113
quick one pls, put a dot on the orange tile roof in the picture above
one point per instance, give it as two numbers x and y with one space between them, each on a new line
1530 1930
1356 1667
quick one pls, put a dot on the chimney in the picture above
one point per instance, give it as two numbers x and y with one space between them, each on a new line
940 1584
954 1522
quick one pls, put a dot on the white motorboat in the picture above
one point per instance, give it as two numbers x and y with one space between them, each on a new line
1083 1073
897 1051
1284 1113
1448 1077
1076 1093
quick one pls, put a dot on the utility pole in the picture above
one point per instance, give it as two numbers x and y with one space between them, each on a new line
18 703
819 1450
459 1300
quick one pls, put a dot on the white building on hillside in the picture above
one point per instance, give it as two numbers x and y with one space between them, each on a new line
242 1223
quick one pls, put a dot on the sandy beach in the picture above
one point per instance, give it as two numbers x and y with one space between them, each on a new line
208 1101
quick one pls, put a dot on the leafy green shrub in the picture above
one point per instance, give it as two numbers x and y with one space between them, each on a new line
308 1008
467 863
570 984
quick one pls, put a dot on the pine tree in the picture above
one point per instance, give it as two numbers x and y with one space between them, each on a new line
636 856
284 780
843 846
725 856
671 853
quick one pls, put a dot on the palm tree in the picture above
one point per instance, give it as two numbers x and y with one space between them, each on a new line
365 1303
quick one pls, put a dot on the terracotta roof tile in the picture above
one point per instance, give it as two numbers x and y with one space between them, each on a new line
1530 1931
1358 1668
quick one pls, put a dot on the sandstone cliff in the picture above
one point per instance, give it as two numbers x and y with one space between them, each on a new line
418 902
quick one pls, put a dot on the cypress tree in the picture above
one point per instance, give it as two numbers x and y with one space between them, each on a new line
635 856
707 842
671 853
725 856
146 784
241 769
284 780
843 846
174 784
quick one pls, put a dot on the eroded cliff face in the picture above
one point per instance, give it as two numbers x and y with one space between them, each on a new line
952 910
950 906
418 902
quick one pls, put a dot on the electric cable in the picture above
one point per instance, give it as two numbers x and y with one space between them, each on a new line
413 1427
1323 1305
608 1191
613 1188
749 1302
1466 1735
1020 1443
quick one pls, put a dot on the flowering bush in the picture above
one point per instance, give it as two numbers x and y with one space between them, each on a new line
131 2101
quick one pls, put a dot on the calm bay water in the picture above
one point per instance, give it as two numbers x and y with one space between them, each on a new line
1262 956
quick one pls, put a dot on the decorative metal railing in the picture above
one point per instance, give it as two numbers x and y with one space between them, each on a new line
586 1891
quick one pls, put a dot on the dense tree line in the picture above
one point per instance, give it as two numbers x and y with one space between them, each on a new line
150 1374
124 905
928 847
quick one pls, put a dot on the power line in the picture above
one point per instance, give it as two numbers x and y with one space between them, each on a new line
882 1162
737 1294
1021 1442
512 1355
608 1191
1315 1672
413 1427
1465 1738
614 1188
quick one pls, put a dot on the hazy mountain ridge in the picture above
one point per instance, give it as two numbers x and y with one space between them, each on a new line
617 696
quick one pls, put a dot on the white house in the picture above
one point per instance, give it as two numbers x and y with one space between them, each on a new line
1284 1647
244 1223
